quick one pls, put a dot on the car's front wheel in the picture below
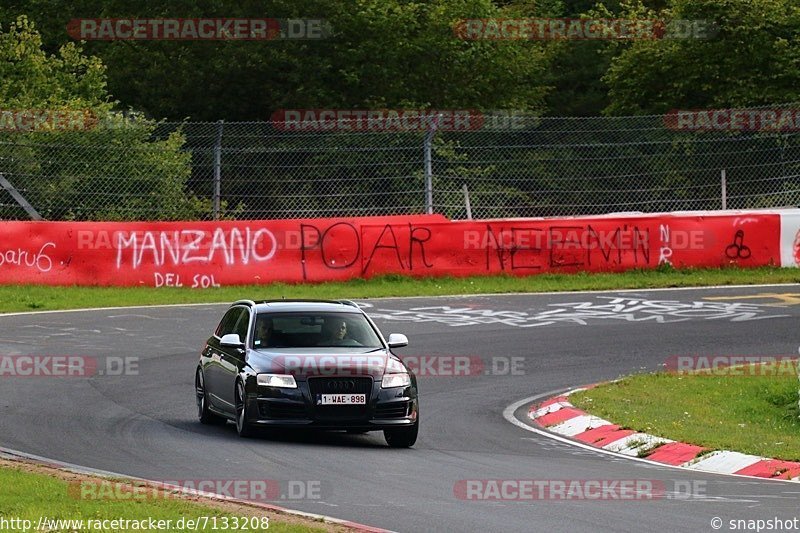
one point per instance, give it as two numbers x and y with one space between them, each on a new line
402 437
203 412
242 427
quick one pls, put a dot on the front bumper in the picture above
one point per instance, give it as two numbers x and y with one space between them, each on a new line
297 408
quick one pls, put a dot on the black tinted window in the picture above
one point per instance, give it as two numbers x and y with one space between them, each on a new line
242 324
299 330
228 322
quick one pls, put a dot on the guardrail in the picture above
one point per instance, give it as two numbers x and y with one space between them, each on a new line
208 254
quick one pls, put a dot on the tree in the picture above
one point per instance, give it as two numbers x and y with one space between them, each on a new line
382 53
97 165
751 58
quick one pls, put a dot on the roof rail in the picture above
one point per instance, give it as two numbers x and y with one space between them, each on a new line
302 300
244 302
348 303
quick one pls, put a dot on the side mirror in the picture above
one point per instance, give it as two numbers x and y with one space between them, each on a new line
397 340
231 339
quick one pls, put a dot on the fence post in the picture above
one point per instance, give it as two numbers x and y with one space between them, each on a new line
724 183
15 194
797 363
466 201
218 170
428 159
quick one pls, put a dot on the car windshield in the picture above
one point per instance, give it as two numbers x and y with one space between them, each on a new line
305 330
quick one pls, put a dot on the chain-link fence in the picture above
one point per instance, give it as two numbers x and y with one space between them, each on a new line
488 167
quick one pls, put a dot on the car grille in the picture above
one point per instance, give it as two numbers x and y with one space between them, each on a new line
281 410
360 385
340 386
393 410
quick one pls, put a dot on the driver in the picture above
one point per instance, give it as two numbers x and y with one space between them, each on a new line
334 333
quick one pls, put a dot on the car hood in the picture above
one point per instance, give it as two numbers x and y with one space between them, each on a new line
322 362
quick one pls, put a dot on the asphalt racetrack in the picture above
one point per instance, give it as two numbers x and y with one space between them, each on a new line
143 423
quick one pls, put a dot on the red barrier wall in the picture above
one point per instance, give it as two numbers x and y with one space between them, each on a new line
202 254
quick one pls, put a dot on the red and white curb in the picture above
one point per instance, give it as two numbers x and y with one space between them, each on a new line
557 415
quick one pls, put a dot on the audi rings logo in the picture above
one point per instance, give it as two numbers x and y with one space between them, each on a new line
341 386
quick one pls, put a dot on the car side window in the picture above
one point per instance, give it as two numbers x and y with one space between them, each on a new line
242 325
228 322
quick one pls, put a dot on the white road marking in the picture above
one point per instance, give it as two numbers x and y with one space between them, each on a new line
488 294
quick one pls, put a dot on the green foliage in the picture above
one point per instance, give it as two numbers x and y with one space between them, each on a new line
383 53
749 409
108 167
27 297
31 495
396 54
752 58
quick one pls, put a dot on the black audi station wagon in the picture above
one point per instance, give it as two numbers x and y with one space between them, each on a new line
306 364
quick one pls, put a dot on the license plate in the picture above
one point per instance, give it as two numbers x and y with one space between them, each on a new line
341 399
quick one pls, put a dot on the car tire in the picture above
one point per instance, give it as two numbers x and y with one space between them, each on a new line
203 413
402 437
242 427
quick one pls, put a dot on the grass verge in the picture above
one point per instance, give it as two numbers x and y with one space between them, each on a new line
754 413
32 491
37 297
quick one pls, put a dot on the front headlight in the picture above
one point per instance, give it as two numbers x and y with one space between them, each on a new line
395 380
285 381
